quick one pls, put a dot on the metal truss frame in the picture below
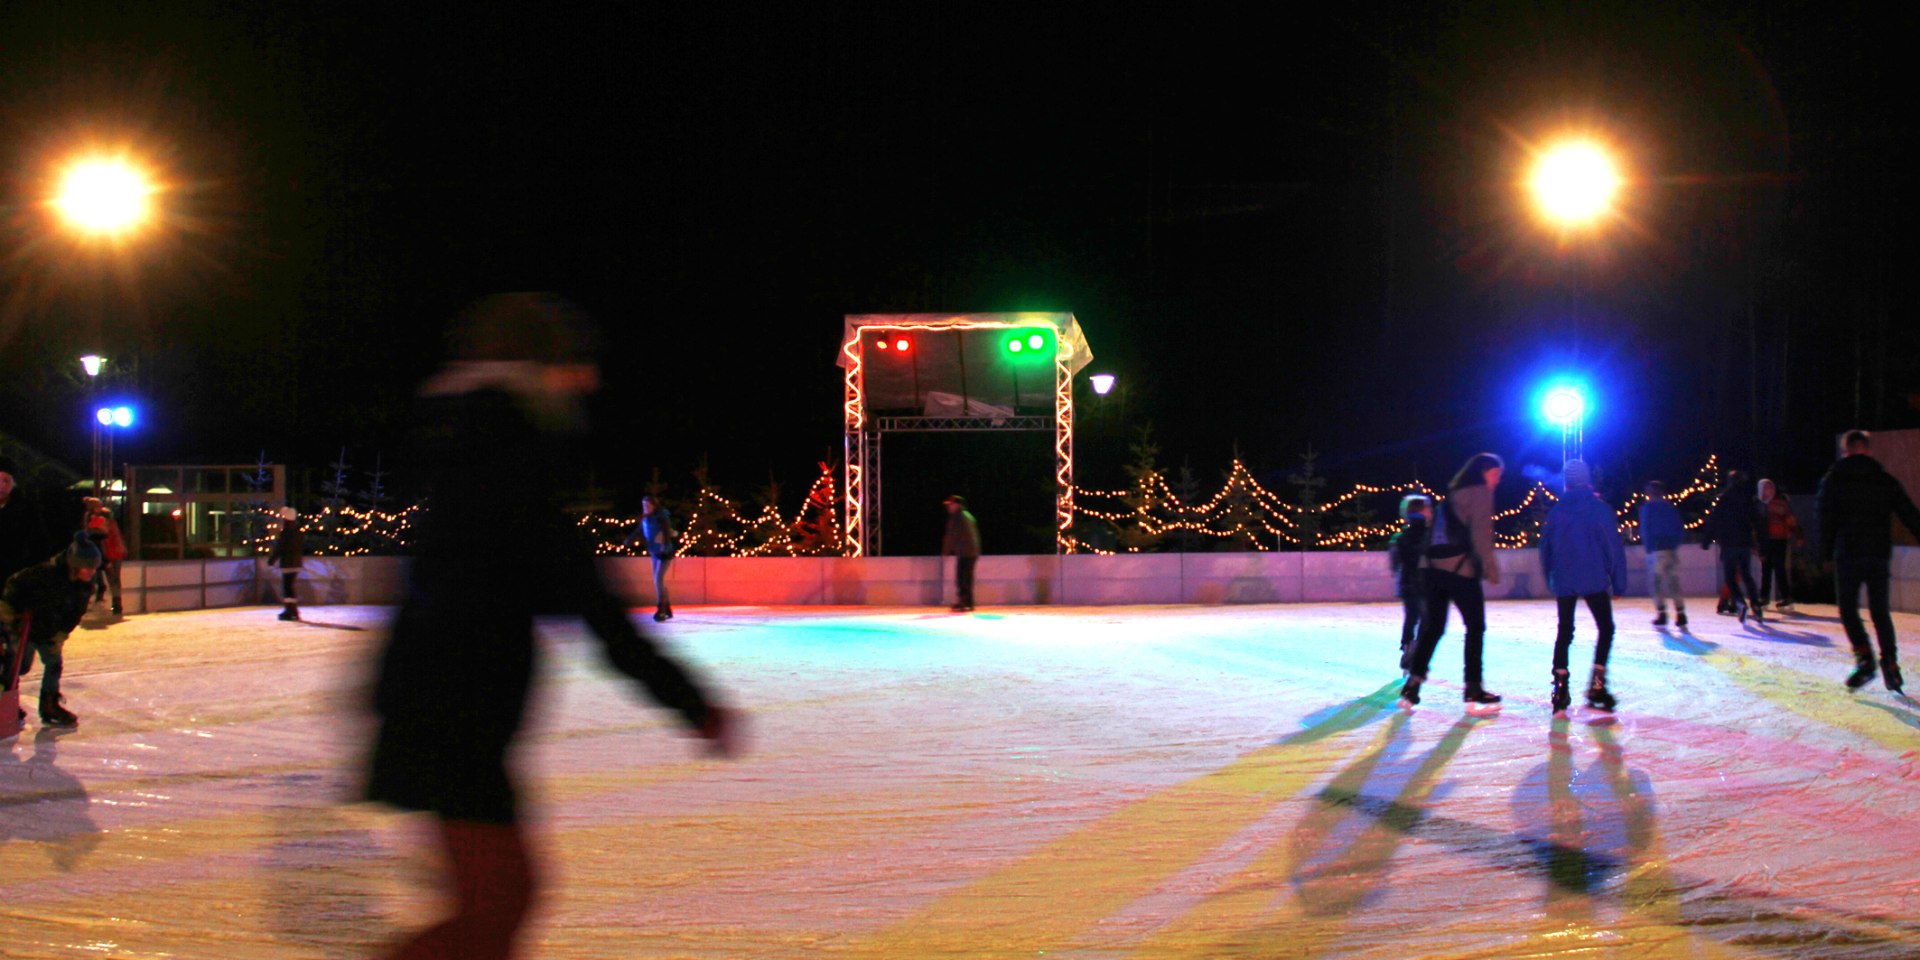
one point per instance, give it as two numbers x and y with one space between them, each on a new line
864 434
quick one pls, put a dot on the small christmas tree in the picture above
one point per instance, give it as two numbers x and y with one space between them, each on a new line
1308 483
816 531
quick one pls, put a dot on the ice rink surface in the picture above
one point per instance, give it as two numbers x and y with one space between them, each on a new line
1178 782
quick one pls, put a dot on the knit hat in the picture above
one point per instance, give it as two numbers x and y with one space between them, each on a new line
540 327
956 498
1578 474
82 552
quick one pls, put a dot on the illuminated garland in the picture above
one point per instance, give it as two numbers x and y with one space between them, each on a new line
1242 509
1157 511
354 532
718 528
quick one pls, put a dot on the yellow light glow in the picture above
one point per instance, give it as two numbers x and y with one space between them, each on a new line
1574 183
104 196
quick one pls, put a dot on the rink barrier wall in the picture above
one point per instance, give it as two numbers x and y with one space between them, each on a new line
1079 580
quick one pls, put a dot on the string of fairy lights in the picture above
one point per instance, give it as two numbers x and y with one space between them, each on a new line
1242 508
344 531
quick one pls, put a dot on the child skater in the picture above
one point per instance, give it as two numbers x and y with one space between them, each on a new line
1405 553
1582 557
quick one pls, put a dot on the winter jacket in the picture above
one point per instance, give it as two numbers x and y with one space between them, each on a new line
495 549
289 548
1660 526
1777 519
1473 555
106 535
963 535
49 592
1858 499
1580 549
23 536
655 534
1731 523
1404 552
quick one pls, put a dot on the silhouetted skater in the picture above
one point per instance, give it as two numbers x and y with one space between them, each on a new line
1858 501
962 540
1460 557
1661 532
495 549
289 554
1407 555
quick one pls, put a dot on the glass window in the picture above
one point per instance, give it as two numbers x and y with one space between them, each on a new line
207 480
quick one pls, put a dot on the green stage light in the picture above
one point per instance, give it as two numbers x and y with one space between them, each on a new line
1023 343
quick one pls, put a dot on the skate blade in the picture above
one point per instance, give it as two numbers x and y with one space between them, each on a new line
1483 709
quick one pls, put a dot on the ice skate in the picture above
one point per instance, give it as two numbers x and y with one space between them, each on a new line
1660 620
1863 673
289 614
1597 696
1680 620
1890 675
1410 693
55 715
1562 697
1480 701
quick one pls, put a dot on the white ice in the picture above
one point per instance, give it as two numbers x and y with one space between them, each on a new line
1179 782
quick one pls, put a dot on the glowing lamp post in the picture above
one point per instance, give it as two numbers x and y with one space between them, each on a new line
92 364
107 420
1565 407
1102 383
1574 184
104 197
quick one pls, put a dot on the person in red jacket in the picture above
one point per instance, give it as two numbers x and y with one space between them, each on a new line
105 534
1779 530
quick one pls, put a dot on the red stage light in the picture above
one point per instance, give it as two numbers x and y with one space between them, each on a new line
902 344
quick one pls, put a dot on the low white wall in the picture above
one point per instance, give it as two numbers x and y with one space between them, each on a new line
153 586
1082 579
1906 579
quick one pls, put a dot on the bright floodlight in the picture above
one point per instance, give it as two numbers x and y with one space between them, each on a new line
1574 183
91 364
103 196
123 416
1102 383
104 415
1564 406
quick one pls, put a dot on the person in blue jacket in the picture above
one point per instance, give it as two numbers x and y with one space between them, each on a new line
655 533
1581 555
1661 532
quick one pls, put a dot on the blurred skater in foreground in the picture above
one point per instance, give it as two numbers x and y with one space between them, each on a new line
495 550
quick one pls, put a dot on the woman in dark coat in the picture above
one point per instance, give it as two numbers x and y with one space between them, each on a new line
495 549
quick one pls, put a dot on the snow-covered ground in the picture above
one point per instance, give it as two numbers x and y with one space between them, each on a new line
1175 782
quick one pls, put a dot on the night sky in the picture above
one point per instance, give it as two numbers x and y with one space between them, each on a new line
1279 230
